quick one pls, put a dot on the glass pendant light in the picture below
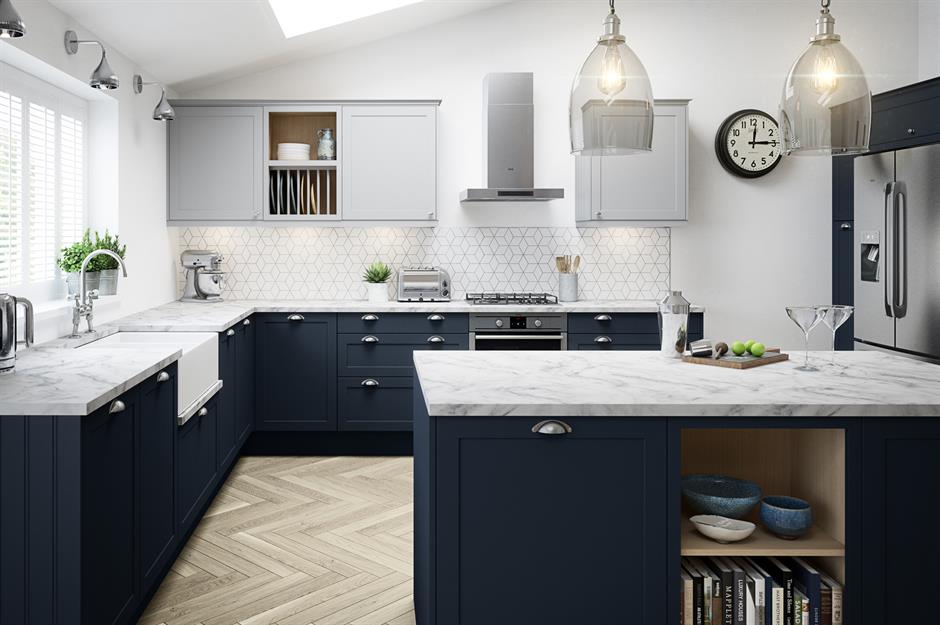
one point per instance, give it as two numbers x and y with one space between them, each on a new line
611 110
826 103
11 24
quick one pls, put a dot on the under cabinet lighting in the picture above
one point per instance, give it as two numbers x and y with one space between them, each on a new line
299 17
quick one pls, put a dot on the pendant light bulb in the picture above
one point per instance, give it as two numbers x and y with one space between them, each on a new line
826 104
825 72
611 85
613 79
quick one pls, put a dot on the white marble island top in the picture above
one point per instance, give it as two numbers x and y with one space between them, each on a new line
67 382
218 316
573 384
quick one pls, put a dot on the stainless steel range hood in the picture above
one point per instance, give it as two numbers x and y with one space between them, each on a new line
508 143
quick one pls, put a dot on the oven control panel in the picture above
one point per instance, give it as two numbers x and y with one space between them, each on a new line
509 323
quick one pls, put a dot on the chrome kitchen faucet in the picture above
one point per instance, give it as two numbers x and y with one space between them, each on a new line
84 301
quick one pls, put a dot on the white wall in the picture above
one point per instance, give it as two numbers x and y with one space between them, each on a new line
751 247
929 39
140 178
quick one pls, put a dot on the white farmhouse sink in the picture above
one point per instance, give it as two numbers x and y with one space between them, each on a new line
197 368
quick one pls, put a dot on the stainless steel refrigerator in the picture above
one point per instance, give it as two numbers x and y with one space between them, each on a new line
897 251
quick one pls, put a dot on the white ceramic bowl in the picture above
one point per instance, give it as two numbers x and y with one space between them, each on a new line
722 529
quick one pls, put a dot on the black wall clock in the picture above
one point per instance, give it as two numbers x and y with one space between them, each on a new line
748 143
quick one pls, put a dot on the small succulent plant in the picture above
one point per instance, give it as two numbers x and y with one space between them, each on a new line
377 273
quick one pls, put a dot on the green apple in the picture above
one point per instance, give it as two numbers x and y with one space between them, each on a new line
747 344
758 349
738 348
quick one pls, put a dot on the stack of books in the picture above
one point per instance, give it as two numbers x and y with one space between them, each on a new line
758 591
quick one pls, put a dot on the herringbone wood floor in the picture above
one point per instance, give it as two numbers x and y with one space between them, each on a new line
294 541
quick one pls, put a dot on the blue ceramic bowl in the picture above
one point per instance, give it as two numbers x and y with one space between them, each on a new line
720 494
787 517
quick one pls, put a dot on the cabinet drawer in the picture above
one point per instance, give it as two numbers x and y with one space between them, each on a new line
436 322
895 123
389 354
375 403
624 342
625 323
197 463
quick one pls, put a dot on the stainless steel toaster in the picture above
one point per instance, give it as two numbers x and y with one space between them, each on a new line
423 284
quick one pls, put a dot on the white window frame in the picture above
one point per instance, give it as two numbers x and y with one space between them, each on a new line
31 89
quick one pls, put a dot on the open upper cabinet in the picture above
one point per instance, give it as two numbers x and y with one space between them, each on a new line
224 165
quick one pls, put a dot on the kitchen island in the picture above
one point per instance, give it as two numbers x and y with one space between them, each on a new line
547 487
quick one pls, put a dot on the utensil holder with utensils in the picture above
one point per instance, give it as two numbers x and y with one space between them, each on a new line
567 277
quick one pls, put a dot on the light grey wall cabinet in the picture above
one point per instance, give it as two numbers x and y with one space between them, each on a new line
389 162
225 166
650 187
216 164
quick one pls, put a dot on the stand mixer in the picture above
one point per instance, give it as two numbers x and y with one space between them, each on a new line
203 276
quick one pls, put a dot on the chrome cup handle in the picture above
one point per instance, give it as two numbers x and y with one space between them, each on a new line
551 427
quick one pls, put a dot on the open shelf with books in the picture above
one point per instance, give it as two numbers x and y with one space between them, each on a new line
805 574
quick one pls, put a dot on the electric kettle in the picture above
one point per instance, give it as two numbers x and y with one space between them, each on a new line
8 335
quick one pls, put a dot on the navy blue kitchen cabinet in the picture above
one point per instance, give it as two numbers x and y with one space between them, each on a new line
906 117
228 398
901 477
375 404
541 528
622 331
390 354
197 466
403 323
157 486
245 379
110 583
296 374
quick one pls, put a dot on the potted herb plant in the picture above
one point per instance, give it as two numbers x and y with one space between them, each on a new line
70 262
376 277
105 265
102 271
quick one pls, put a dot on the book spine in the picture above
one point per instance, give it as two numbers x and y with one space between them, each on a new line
778 609
836 606
740 596
727 598
698 599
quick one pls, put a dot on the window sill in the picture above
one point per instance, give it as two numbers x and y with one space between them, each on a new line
57 308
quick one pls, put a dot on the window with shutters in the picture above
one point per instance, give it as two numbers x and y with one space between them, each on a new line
42 181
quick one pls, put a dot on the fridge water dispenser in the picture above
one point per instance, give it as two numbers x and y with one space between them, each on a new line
870 255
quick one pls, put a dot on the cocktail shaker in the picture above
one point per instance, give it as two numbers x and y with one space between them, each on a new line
674 324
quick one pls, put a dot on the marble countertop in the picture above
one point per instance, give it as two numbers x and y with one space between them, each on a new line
50 380
646 384
218 316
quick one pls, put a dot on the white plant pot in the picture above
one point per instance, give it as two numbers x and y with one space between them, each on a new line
378 292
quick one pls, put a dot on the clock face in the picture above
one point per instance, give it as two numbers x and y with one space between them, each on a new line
748 143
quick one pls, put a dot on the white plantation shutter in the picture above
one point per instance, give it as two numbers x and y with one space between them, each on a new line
42 181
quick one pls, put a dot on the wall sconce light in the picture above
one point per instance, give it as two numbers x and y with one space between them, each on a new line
11 24
103 77
163 112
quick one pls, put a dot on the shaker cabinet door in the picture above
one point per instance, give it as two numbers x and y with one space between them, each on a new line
296 372
643 187
215 164
389 162
551 529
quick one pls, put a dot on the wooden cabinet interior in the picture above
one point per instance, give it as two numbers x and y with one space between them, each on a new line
807 463
298 127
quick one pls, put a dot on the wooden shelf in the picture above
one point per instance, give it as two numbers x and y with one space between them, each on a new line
302 164
761 543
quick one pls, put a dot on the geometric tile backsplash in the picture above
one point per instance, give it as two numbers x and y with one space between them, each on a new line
326 263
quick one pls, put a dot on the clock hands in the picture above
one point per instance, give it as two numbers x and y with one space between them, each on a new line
754 138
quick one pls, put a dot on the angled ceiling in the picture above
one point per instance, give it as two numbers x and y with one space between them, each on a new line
190 43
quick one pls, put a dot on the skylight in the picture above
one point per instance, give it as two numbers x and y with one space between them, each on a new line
298 17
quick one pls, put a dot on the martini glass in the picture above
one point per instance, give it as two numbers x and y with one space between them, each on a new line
834 316
807 318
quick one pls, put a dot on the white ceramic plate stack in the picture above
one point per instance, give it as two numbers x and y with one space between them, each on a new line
293 151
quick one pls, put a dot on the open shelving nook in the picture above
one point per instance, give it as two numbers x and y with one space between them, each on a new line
306 190
808 463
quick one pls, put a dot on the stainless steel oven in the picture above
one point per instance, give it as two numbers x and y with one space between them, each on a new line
512 332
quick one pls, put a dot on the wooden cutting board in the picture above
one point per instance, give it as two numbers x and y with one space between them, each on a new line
739 362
